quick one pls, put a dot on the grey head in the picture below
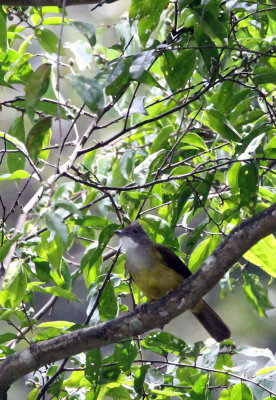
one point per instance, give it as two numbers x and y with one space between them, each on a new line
132 236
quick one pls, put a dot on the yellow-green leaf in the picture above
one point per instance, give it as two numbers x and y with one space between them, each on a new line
263 254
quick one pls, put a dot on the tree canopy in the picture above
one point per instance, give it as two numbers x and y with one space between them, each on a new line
166 115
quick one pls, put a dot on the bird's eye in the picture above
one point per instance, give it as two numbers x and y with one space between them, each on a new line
135 230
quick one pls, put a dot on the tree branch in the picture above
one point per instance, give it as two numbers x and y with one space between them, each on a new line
186 297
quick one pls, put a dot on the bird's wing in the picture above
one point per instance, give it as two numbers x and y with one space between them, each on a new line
173 261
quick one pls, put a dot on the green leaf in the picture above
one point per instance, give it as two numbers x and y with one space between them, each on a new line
148 79
126 163
161 138
48 41
38 135
55 21
4 249
264 371
16 161
15 175
140 62
50 250
142 171
67 205
94 221
125 354
94 254
248 180
180 198
89 90
118 77
33 394
47 334
53 290
14 286
108 306
148 12
263 254
6 337
270 149
240 391
178 70
202 251
163 343
232 176
256 293
56 225
216 121
194 139
36 86
199 388
109 374
203 189
267 77
56 324
87 29
208 49
3 34
93 365
139 378
20 71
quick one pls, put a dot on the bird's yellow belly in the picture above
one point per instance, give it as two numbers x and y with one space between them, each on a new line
155 282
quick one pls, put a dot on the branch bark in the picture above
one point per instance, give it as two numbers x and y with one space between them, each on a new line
217 264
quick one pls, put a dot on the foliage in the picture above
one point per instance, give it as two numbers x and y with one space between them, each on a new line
179 127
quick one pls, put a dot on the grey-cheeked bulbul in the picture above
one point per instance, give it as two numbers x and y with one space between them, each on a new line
157 270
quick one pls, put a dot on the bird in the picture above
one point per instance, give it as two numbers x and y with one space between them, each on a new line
156 270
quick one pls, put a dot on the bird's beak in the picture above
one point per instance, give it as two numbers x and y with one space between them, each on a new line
118 232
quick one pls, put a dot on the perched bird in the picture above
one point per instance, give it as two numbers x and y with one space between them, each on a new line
157 270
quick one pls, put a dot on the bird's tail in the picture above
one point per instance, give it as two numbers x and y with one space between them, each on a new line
211 321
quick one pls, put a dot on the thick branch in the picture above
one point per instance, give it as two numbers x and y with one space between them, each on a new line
235 245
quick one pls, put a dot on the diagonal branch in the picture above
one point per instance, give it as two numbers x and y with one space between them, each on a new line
240 240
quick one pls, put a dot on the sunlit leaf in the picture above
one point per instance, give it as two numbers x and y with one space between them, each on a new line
202 251
15 175
216 121
48 40
264 254
14 286
53 290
